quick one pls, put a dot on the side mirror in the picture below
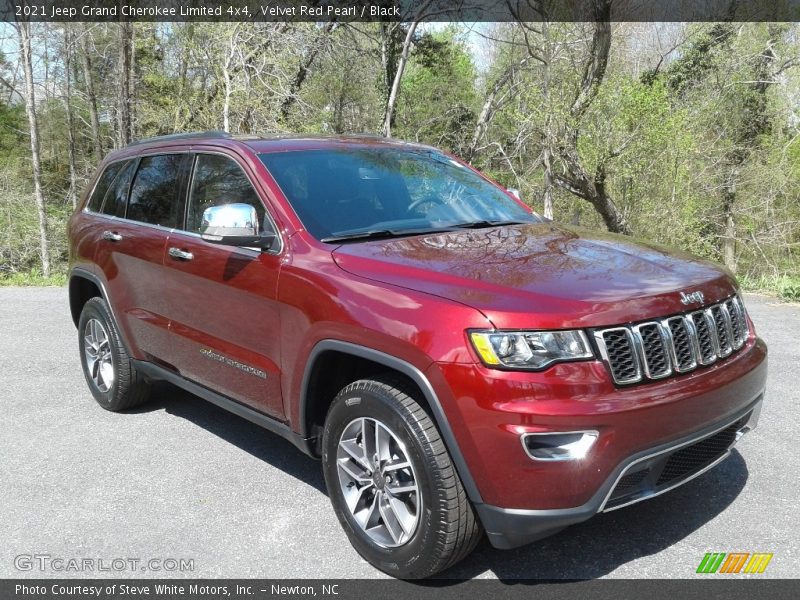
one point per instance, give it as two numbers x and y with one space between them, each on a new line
514 192
234 225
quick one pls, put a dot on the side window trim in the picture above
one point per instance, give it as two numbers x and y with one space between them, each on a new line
90 195
265 205
134 161
137 161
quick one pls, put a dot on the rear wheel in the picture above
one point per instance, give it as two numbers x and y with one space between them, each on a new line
392 483
109 372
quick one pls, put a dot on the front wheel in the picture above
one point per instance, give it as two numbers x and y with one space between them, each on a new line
392 483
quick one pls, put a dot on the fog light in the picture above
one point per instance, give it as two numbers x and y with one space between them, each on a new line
573 445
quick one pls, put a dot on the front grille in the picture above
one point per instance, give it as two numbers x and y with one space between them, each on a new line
678 344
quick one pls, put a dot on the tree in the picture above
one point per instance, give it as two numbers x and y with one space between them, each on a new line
67 100
24 32
124 101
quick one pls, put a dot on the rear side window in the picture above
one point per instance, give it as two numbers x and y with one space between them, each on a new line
155 191
117 194
103 184
219 180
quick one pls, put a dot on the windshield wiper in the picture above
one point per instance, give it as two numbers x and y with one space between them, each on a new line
487 223
376 234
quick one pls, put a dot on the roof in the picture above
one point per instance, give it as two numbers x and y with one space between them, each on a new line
271 144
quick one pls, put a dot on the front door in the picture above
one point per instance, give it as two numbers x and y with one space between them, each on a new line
223 312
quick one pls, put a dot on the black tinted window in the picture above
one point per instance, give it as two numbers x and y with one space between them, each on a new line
154 194
103 184
352 190
219 180
118 193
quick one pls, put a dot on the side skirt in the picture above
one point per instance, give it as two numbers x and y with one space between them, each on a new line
157 372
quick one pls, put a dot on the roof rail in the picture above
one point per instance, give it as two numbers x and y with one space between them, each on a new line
183 136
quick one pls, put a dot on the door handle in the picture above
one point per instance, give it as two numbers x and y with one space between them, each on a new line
179 254
112 236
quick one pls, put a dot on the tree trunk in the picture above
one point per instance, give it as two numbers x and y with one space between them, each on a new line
547 198
30 109
91 97
228 82
574 177
124 95
302 71
489 107
67 98
388 117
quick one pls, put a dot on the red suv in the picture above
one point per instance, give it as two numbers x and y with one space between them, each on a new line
458 363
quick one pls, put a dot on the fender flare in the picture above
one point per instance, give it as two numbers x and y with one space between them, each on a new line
89 276
413 373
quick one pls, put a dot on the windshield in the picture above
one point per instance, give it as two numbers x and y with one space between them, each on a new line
344 193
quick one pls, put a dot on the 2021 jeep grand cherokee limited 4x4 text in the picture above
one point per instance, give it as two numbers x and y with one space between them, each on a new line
459 364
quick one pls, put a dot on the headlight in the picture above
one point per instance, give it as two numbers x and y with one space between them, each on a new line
530 349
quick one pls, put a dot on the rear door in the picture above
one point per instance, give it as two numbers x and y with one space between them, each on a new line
222 299
144 203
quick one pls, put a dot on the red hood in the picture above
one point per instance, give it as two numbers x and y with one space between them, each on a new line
541 275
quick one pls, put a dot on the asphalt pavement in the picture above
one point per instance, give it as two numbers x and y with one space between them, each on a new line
180 488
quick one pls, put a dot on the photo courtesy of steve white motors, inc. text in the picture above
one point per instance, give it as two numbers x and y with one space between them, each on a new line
272 11
117 590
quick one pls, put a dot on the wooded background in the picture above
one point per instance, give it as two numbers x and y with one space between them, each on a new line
682 134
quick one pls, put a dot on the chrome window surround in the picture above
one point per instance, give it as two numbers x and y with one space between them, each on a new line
715 321
177 230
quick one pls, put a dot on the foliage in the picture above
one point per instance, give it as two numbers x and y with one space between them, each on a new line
695 140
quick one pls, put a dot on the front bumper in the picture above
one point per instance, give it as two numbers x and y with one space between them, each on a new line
639 429
642 476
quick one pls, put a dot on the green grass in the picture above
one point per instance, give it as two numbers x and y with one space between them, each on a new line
787 287
33 278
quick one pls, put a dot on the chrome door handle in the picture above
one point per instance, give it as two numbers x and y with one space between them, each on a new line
112 236
179 254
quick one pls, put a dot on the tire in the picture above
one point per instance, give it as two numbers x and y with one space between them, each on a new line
407 534
109 372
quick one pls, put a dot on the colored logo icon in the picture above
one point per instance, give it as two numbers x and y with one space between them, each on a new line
734 562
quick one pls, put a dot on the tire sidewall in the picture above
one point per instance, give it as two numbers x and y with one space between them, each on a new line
377 404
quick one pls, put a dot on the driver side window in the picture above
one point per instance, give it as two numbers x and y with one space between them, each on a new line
219 180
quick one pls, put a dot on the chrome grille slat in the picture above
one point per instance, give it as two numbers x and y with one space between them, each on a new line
682 343
619 351
679 344
653 351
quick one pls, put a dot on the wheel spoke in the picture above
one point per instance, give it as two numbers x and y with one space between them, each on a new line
404 516
395 466
344 465
397 488
355 451
367 517
368 441
382 443
390 521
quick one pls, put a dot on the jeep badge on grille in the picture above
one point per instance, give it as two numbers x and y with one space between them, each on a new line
692 297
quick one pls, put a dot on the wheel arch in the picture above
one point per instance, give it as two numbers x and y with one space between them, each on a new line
82 287
314 404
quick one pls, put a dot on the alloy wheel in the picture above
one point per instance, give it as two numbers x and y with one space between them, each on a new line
97 348
378 482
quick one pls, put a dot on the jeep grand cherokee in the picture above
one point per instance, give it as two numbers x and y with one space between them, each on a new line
459 364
